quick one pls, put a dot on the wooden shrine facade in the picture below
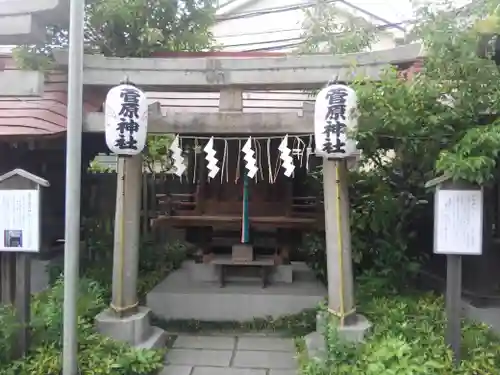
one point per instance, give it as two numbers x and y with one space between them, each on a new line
280 208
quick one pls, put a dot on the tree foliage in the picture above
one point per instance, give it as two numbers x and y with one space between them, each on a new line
442 120
329 29
132 28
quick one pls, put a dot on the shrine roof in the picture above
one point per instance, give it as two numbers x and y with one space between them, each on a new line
36 115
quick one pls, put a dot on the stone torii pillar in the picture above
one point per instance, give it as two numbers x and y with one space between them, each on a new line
335 115
351 327
127 236
125 320
338 241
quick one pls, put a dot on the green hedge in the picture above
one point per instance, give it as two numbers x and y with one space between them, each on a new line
97 354
407 339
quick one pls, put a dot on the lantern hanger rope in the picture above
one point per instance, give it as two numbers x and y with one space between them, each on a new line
244 138
374 135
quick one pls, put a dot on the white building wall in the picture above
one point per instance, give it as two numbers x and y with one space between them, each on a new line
262 31
274 31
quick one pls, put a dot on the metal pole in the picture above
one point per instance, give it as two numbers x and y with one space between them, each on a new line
73 185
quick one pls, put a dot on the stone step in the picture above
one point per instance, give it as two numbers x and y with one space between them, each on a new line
179 296
156 340
206 272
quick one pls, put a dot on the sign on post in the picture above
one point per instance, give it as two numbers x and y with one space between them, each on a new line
458 222
19 238
20 220
458 231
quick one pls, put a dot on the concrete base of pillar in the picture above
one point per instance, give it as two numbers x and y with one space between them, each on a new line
135 329
355 332
315 346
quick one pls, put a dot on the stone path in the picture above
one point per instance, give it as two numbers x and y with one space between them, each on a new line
231 355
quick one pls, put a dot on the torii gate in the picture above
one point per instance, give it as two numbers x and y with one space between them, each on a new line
231 76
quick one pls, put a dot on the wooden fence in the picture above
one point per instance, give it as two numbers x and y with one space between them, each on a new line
101 199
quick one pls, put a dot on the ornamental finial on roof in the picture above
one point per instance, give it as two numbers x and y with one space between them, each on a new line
333 80
126 81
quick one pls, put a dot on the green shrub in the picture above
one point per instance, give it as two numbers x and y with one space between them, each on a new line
407 339
97 354
383 231
156 261
47 312
8 327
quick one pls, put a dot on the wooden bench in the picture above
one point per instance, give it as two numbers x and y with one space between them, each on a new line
266 265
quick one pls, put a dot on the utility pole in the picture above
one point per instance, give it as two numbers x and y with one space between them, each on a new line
73 185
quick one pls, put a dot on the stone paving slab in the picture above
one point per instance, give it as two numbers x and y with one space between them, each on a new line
265 359
284 372
199 357
277 344
227 371
176 370
205 342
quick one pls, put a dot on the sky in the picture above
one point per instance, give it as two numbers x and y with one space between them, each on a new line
393 10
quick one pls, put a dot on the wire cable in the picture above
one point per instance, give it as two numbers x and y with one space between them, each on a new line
260 12
301 40
266 11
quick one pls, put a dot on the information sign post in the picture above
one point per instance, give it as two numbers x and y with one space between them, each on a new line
458 232
20 193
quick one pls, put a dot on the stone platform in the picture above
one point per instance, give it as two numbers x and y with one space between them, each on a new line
209 272
179 296
231 355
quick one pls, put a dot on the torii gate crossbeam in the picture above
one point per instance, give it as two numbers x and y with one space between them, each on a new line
292 72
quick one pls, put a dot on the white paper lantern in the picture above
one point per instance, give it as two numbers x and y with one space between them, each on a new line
335 116
126 114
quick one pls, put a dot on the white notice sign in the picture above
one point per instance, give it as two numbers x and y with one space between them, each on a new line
458 227
19 220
